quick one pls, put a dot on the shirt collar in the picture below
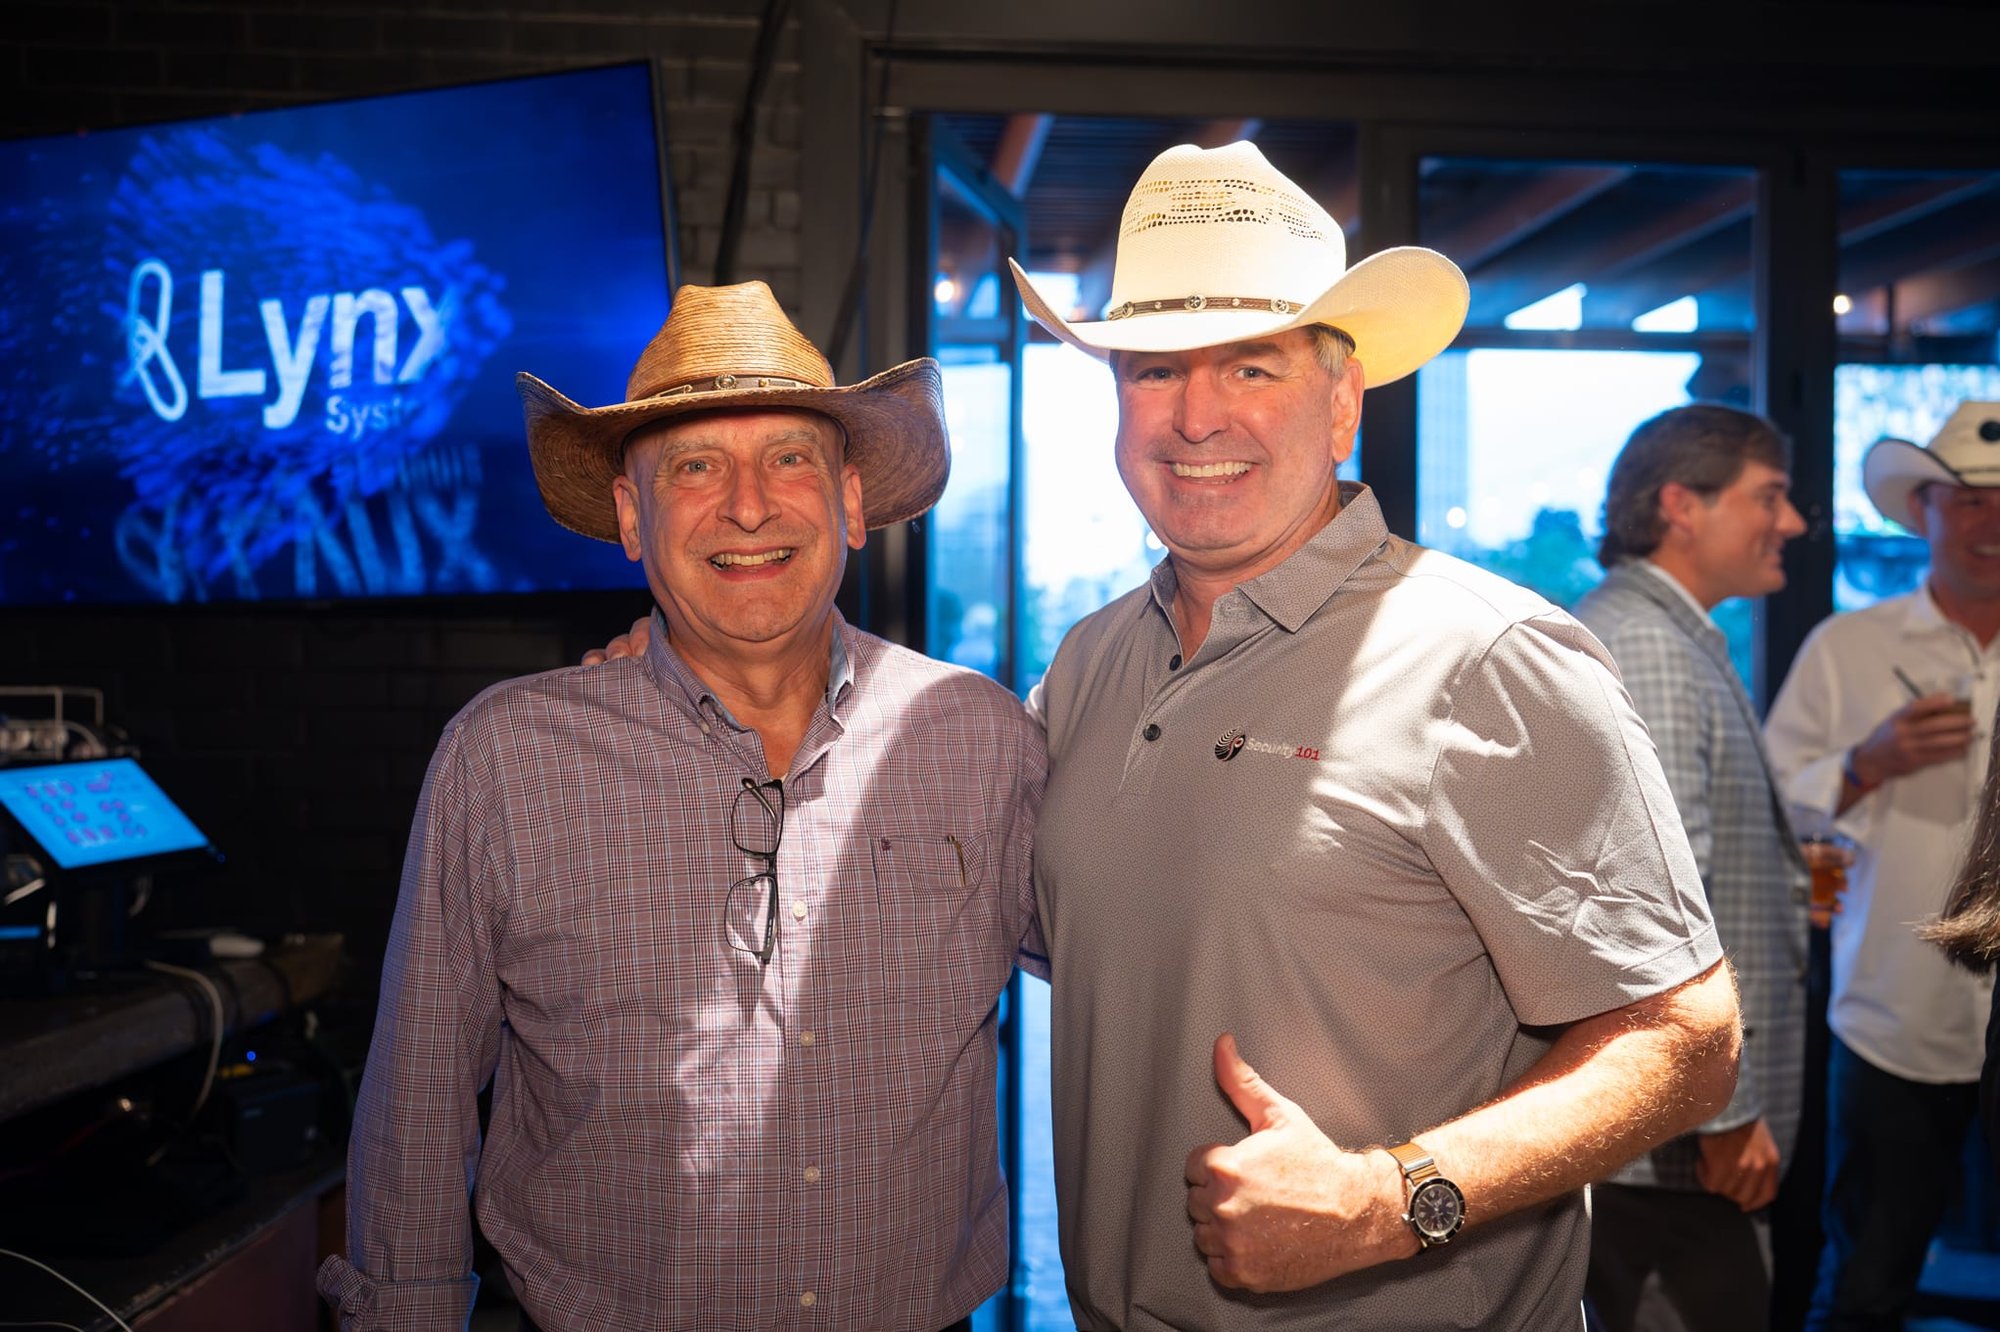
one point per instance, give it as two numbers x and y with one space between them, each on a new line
1923 615
1291 593
1656 571
691 693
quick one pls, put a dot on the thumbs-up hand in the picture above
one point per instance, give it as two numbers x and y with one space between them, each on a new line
1285 1208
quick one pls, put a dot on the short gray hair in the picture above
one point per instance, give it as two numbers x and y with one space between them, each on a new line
1331 346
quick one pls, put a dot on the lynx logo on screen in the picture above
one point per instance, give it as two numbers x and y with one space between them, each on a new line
270 355
293 348
295 342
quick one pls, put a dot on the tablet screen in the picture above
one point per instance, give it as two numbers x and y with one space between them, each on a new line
97 812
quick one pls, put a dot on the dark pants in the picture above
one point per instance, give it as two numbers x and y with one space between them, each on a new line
1894 1150
1705 1253
1795 1234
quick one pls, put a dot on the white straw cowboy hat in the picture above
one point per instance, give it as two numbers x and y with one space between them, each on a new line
1217 246
733 347
1966 452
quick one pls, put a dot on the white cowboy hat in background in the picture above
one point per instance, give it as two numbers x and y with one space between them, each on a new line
1218 246
1965 452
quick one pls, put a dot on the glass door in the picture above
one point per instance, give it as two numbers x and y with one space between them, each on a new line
976 329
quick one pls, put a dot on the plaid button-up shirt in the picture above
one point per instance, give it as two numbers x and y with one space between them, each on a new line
681 1136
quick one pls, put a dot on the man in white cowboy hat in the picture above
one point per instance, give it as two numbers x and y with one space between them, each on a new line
1872 733
1695 513
1369 819
723 924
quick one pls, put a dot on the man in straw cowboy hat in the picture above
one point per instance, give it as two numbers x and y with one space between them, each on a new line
724 924
1873 732
1358 814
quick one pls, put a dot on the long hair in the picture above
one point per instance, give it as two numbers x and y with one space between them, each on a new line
1703 446
1969 931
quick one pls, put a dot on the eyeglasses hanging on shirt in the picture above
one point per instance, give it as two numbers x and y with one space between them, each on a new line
750 909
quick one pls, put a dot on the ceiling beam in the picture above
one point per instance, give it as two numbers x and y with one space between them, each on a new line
1918 199
1717 265
1553 260
1526 206
1220 133
1934 295
1019 152
1939 241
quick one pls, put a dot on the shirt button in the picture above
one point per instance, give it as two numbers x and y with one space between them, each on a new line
1174 663
812 1174
806 1038
799 910
1152 731
807 1300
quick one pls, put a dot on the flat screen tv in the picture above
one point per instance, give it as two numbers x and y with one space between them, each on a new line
271 356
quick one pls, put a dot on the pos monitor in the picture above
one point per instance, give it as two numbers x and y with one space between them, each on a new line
96 814
76 838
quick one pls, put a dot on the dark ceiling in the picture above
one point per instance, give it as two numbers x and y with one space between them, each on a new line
1919 251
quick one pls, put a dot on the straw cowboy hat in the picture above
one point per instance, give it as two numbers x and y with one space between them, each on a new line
1966 452
733 347
1217 246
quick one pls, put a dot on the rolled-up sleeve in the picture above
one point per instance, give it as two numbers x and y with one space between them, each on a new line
415 1148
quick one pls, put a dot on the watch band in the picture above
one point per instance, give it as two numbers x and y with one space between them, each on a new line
1418 1165
1421 1177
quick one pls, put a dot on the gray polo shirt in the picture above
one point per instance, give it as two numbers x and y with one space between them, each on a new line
1393 825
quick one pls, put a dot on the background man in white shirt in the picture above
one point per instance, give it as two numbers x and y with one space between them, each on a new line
1872 733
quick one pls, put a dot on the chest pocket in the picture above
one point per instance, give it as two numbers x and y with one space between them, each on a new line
941 921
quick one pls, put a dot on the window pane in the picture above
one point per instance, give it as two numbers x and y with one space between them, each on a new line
1084 542
1918 304
968 545
1602 293
1039 1264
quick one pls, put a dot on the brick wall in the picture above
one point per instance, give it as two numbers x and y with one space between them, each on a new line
297 736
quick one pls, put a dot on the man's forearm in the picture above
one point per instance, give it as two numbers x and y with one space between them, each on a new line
1285 1207
1612 1087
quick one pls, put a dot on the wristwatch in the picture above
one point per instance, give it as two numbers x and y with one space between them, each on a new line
1436 1206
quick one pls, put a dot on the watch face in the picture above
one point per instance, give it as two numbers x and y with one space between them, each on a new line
1437 1209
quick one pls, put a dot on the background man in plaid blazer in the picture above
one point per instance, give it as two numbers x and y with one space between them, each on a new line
1696 513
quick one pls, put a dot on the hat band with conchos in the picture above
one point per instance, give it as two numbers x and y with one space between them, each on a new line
1195 304
724 383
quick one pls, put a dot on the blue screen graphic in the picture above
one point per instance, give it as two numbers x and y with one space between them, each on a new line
97 812
272 355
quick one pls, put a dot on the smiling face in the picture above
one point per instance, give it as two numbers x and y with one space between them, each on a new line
1230 451
743 521
1961 525
1733 541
